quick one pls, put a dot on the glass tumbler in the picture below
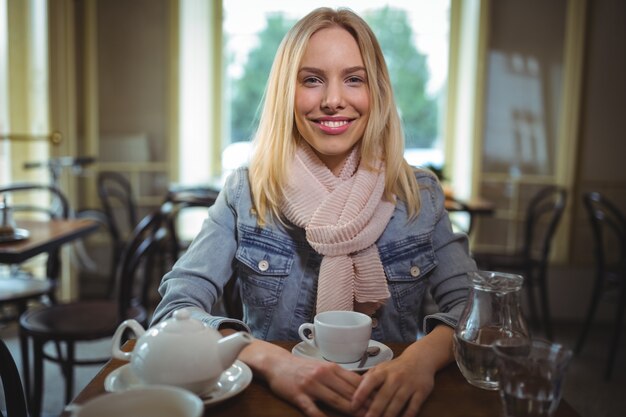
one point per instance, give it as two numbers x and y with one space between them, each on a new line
531 376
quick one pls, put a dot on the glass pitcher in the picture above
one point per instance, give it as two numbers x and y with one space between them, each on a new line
492 312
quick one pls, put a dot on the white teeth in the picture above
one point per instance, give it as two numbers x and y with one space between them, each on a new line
329 123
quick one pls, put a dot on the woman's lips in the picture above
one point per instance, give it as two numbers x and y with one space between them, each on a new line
334 127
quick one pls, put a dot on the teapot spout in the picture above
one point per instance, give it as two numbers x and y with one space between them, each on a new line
228 347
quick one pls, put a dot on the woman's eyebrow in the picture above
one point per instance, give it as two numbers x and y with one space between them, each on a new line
348 70
311 69
354 69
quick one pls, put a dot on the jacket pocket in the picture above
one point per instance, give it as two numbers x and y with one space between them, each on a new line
264 260
407 263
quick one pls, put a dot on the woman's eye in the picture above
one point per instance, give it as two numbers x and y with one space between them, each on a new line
311 80
354 80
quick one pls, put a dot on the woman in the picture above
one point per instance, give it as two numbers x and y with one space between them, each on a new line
329 216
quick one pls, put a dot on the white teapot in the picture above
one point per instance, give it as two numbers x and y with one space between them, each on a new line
180 351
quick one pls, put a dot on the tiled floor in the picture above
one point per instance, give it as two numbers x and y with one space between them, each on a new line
54 383
585 388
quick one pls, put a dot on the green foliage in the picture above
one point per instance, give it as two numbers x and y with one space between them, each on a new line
407 68
248 90
409 75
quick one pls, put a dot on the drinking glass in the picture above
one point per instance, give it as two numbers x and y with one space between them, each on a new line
531 374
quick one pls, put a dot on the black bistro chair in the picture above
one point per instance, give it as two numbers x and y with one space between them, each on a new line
66 324
184 201
12 385
543 215
120 208
608 225
34 201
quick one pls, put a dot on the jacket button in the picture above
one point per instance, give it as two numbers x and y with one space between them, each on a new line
415 271
374 323
263 265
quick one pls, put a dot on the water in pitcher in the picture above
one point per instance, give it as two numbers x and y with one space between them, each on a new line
477 360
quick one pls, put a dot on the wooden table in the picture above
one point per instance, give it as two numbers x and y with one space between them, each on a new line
44 236
473 207
452 396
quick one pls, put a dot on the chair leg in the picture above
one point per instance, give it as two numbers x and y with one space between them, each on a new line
591 311
532 306
545 306
26 366
117 249
68 371
619 322
37 397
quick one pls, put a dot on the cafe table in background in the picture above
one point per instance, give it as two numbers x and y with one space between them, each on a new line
451 397
45 236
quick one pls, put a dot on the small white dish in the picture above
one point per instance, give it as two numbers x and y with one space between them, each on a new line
153 401
232 381
305 350
17 235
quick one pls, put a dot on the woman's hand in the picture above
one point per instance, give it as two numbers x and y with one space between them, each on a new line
301 381
400 387
304 382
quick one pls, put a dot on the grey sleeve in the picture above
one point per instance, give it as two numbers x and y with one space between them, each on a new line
449 284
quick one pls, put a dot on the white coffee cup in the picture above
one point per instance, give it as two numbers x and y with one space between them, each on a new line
153 401
340 336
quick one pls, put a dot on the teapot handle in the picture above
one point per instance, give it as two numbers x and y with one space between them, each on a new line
135 327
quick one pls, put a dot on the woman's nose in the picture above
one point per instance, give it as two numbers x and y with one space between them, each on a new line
333 98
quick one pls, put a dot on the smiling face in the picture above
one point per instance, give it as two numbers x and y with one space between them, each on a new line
332 96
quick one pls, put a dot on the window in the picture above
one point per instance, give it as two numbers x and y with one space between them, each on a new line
23 87
414 38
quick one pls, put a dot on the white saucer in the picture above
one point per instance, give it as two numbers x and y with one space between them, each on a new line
232 381
305 350
17 235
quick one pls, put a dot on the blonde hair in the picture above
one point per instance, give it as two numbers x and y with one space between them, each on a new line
277 136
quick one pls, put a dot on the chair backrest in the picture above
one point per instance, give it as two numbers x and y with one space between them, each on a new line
175 205
154 243
115 192
12 384
135 269
608 225
40 201
35 198
542 218
180 202
207 193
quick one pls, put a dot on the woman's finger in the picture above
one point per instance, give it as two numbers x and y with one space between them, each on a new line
414 405
335 386
370 383
308 406
389 399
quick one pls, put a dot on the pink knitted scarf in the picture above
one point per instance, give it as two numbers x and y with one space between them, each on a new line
343 217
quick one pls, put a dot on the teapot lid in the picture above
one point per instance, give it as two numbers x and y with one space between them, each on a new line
182 323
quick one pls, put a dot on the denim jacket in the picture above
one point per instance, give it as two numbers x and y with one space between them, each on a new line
278 269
